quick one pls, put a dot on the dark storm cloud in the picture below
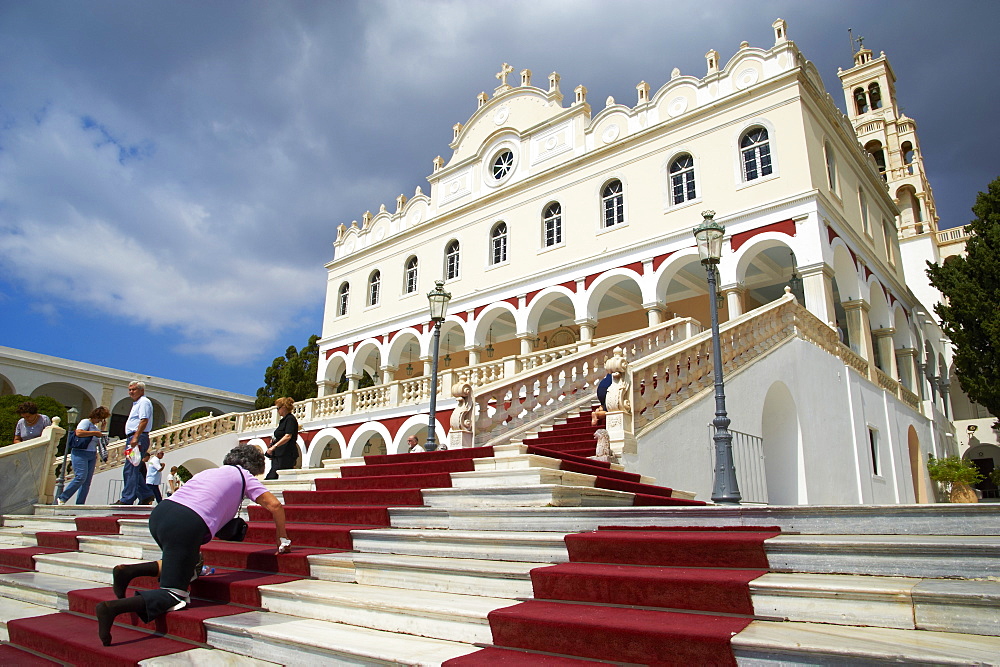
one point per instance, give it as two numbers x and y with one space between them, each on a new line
207 151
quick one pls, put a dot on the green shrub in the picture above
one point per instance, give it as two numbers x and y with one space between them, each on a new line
953 469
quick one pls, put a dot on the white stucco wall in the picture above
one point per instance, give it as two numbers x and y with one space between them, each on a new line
831 462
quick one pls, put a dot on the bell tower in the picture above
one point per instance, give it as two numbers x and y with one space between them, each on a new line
890 137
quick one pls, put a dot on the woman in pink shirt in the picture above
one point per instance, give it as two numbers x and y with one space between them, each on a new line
180 525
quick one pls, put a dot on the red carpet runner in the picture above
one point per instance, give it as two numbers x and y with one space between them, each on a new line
651 596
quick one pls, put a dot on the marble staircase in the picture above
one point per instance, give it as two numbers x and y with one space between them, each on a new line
917 584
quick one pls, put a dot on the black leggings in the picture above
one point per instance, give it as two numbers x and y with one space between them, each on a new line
179 532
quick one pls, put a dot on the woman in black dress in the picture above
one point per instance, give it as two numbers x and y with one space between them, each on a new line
283 450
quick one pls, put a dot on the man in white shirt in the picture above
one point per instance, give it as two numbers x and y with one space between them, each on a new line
137 428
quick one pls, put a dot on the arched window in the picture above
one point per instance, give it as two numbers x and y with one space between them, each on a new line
342 297
552 225
410 273
498 243
682 179
612 196
875 148
875 96
756 149
374 284
831 166
451 255
860 101
907 150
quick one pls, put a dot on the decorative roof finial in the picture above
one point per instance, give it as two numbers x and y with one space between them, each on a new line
501 76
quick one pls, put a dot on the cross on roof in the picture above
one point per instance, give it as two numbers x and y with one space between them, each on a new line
505 69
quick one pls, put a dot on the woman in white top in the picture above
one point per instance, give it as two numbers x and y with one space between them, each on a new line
85 458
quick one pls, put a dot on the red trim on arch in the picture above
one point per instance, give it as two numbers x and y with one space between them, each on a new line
530 296
478 310
589 280
512 301
571 286
335 350
635 266
463 315
659 260
785 227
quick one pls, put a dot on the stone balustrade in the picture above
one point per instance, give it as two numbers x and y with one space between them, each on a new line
27 479
534 394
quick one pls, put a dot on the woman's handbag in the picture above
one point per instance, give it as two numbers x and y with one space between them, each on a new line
235 530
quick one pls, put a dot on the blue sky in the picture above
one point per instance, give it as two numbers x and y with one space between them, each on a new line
172 172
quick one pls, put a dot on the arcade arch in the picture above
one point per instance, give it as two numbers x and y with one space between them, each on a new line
68 395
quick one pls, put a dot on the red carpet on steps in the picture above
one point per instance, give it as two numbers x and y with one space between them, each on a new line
319 522
10 655
652 596
73 639
573 443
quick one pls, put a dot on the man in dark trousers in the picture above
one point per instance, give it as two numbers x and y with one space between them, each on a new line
137 428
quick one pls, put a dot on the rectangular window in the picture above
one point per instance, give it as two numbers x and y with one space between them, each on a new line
553 232
873 446
499 249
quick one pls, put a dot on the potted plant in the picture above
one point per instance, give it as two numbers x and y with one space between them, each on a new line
959 474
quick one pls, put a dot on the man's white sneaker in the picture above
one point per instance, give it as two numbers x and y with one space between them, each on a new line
60 501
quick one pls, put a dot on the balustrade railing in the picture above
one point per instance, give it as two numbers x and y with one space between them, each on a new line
953 234
854 360
541 391
662 381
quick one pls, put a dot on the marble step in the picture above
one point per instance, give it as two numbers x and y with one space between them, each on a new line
449 616
960 519
90 567
466 576
479 479
969 607
36 522
289 640
775 643
926 556
44 589
11 609
528 495
205 657
535 547
91 510
17 537
139 547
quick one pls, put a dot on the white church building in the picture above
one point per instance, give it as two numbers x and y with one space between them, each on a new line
562 232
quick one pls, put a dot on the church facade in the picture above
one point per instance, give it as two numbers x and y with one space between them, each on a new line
555 226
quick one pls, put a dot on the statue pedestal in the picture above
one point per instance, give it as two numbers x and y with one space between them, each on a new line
619 427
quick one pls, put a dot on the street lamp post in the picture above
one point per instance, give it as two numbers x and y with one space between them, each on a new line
725 489
438 299
71 416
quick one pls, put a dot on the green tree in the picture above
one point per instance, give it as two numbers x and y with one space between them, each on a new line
970 315
47 406
293 375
